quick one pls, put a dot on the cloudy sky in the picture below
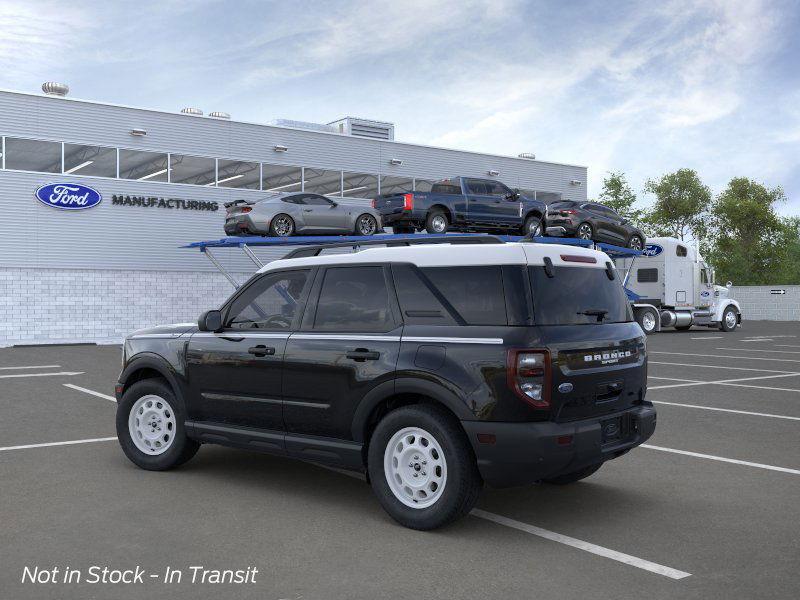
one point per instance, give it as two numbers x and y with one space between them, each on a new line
641 87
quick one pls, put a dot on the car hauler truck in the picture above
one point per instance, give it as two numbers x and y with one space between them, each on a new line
670 285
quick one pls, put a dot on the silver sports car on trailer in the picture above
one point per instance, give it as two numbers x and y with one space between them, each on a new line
286 214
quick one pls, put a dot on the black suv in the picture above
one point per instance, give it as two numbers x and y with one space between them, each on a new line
432 368
593 221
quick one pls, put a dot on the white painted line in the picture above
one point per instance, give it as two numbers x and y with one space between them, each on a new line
41 374
794 360
729 410
787 346
708 337
92 392
48 444
673 379
760 387
633 561
723 459
759 340
656 362
758 350
31 367
721 381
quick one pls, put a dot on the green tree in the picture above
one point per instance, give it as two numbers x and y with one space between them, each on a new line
681 205
617 194
749 243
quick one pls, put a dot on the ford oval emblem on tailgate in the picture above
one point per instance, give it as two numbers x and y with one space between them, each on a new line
68 196
565 388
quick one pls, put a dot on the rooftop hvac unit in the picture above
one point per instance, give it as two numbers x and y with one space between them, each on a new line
219 115
303 125
192 111
527 155
377 130
51 88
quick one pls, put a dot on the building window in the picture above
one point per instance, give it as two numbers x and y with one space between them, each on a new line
237 174
143 166
321 181
33 155
280 178
96 161
423 185
194 170
396 185
359 185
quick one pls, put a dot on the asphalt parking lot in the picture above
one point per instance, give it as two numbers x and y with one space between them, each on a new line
709 509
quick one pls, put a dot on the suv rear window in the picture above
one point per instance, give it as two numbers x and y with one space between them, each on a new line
565 298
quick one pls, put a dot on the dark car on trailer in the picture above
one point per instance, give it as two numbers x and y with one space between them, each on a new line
463 204
432 368
594 221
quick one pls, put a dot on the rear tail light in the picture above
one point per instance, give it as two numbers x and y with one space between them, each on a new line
374 202
246 209
408 201
566 213
528 373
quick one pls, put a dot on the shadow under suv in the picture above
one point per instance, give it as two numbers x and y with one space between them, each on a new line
434 369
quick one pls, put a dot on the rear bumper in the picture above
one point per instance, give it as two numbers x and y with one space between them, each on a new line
524 453
244 225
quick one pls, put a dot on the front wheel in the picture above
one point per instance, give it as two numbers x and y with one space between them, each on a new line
532 227
366 225
585 231
422 468
646 320
150 426
635 243
281 226
729 320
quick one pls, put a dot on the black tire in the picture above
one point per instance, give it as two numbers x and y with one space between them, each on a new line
434 220
181 449
463 481
723 326
648 326
360 226
582 229
531 225
278 220
568 478
636 242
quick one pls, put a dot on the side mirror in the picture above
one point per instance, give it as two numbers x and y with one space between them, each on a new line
334 204
211 320
511 196
729 285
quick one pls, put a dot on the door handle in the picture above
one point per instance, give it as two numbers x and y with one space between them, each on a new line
362 354
308 210
261 350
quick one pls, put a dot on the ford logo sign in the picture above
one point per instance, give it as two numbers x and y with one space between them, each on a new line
68 196
705 294
565 388
652 250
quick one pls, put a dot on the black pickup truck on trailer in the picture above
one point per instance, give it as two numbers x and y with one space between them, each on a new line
463 204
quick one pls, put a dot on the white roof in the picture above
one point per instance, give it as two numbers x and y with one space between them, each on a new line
446 255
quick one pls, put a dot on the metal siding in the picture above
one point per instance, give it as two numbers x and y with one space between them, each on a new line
124 237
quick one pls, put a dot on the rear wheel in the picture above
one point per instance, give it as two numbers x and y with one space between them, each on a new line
422 468
437 222
366 224
635 243
281 226
729 320
575 475
585 231
532 227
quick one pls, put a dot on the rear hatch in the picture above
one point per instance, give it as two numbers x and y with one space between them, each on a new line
597 351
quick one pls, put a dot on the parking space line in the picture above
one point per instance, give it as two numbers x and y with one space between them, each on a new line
729 410
31 367
723 459
708 337
758 350
67 443
582 545
66 373
92 392
722 381
676 379
726 356
787 345
656 362
758 387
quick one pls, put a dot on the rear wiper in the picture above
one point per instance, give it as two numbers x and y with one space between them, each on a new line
600 313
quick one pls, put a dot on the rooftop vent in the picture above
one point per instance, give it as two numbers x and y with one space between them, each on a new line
527 155
377 130
51 88
219 115
303 125
192 111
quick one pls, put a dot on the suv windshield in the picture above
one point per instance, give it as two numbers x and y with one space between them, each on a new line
577 296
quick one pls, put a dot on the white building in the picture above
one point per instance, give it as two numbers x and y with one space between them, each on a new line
94 275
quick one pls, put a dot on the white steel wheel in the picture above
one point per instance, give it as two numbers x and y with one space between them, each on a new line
415 467
648 322
152 426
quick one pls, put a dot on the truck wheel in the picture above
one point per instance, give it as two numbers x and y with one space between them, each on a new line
585 231
281 226
150 426
436 222
532 227
647 320
574 476
729 321
422 468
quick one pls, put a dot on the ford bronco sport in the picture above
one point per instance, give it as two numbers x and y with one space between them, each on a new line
433 369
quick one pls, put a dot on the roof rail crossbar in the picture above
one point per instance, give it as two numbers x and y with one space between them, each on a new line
316 249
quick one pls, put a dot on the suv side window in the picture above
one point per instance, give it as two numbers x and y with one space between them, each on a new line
418 299
354 299
476 293
269 304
